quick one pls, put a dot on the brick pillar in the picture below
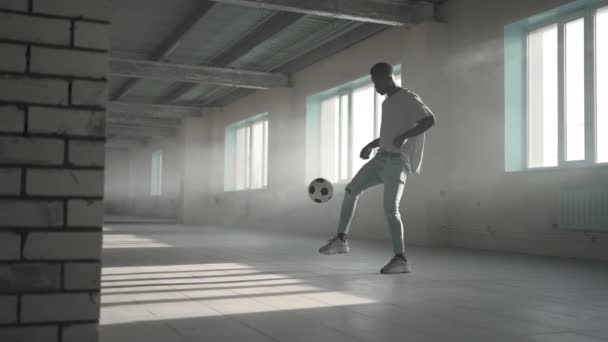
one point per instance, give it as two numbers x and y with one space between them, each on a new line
53 66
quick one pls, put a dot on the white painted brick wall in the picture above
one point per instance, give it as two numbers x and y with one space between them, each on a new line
39 151
10 181
89 93
66 121
68 62
10 246
64 182
59 307
85 213
15 5
82 276
34 29
12 57
92 35
63 246
18 214
29 334
80 333
33 90
8 309
89 9
86 153
12 119
29 277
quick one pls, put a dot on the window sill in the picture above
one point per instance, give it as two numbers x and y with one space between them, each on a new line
342 183
264 189
575 166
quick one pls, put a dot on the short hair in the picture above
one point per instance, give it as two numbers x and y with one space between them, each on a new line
382 69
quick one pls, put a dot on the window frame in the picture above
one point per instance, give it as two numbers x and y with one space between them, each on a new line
230 153
156 185
589 15
594 104
348 89
343 92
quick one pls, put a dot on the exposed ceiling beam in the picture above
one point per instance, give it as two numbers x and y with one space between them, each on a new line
386 12
330 38
125 142
138 131
271 26
122 139
153 110
141 120
329 34
118 147
136 126
197 74
328 48
169 44
337 41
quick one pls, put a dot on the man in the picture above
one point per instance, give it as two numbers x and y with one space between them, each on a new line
404 120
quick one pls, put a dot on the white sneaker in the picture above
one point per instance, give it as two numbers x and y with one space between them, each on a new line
396 265
335 246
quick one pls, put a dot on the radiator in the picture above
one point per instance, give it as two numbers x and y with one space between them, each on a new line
584 208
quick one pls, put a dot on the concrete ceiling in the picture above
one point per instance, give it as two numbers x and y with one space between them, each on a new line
188 54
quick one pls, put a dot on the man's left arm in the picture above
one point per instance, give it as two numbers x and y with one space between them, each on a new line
422 126
425 122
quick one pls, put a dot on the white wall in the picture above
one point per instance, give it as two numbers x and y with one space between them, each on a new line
128 179
54 60
462 198
116 184
521 208
285 204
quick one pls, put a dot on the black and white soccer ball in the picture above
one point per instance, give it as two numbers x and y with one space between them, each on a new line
320 190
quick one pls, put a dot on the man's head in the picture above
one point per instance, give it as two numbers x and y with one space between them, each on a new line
382 76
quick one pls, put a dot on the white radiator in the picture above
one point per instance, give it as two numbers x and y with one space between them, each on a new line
584 208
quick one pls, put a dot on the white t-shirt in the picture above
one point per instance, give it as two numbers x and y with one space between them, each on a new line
400 113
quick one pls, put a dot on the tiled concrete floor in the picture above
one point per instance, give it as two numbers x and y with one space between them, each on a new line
175 283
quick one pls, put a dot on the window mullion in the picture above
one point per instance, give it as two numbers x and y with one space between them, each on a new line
235 171
160 174
526 103
266 148
264 154
561 136
590 132
340 133
318 138
249 156
350 134
375 115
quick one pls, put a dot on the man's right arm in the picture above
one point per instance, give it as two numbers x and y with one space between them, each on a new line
374 144
367 150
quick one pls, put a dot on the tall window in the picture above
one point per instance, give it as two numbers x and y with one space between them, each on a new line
574 88
156 174
542 95
246 164
333 121
567 83
348 119
601 91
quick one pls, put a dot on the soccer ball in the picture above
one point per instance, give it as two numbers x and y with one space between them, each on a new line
320 190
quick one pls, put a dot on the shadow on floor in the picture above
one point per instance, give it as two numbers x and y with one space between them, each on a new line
177 283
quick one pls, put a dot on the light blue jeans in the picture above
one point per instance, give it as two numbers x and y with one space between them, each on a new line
380 170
